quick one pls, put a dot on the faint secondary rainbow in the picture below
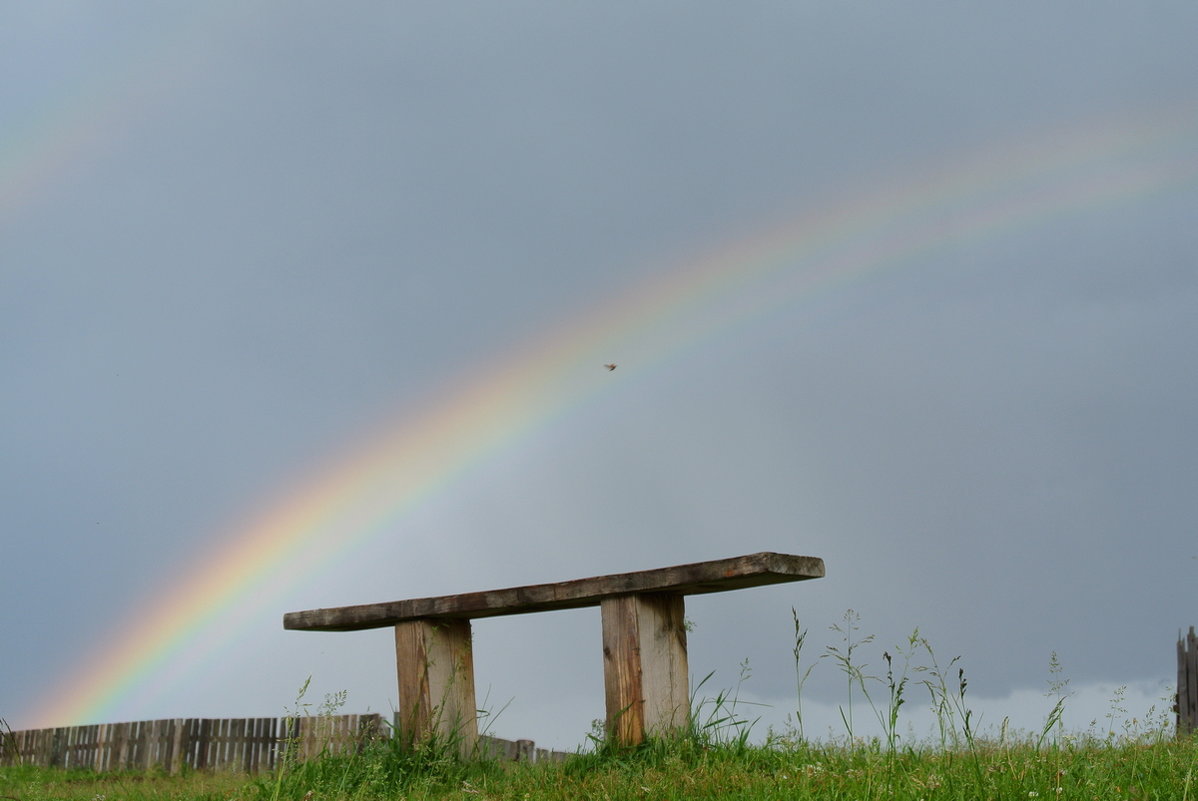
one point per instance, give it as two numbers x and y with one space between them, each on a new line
370 490
67 124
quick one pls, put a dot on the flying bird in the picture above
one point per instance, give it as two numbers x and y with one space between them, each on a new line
610 366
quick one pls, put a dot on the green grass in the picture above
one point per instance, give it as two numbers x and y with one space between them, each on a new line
44 784
1159 770
715 758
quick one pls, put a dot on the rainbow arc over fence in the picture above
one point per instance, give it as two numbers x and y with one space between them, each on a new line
418 454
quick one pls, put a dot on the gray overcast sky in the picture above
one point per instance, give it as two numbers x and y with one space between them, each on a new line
242 239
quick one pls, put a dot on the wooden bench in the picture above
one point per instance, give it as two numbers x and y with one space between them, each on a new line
644 641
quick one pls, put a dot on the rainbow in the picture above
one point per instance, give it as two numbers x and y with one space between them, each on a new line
370 489
72 124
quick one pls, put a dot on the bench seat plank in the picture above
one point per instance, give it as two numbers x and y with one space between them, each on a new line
753 570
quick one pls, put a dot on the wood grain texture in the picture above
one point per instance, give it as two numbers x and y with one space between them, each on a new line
644 666
753 570
435 671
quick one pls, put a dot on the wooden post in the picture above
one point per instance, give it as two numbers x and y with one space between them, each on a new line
436 682
644 666
1187 684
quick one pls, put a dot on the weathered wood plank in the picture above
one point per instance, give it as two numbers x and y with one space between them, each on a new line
218 742
93 747
264 735
644 666
178 747
237 736
1183 689
1187 683
203 752
103 748
753 570
120 746
436 682
622 673
1192 677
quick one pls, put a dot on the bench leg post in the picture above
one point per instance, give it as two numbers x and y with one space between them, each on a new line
644 666
435 669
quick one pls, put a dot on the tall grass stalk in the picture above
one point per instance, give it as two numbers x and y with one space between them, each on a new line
1058 689
289 745
937 685
801 676
897 686
854 672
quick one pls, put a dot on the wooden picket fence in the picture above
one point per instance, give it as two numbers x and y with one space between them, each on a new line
239 744
234 744
1187 683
